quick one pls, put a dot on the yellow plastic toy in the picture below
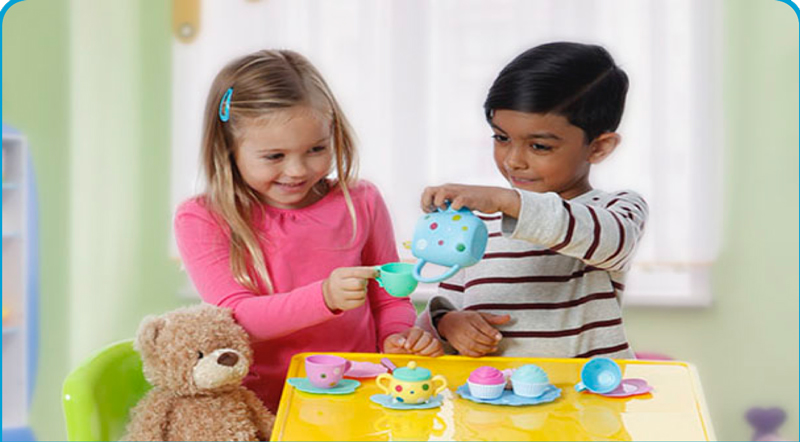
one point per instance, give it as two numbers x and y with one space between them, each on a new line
411 385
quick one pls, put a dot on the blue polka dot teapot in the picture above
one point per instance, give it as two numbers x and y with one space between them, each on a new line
449 238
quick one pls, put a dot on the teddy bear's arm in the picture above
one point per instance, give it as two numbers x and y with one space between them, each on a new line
261 416
150 418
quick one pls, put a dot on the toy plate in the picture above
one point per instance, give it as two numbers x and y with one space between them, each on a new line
345 386
365 370
550 394
387 401
629 387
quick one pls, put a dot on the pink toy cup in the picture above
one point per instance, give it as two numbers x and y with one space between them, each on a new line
325 371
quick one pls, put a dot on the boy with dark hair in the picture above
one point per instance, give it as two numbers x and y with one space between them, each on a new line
551 281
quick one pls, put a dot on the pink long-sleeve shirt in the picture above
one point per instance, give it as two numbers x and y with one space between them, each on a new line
301 248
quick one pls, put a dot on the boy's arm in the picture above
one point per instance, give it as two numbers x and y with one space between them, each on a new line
204 249
449 297
603 236
392 315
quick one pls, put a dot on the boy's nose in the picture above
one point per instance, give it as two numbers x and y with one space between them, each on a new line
514 160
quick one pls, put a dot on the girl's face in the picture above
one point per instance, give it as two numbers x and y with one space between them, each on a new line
282 158
541 153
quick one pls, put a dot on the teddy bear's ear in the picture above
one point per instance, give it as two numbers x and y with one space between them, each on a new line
147 334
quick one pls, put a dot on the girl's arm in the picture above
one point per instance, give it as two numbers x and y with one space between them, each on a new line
204 249
392 315
603 236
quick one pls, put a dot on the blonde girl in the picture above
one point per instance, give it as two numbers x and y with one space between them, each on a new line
277 239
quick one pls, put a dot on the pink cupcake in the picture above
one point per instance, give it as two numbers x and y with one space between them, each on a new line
486 383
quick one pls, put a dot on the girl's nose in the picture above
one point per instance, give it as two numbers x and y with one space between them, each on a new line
296 169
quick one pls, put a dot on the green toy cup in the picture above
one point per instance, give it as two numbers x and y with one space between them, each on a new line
397 278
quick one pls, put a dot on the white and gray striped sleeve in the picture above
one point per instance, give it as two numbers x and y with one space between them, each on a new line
603 235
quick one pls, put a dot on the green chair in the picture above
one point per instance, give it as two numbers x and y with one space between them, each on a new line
99 394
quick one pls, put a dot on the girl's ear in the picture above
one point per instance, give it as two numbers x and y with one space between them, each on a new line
602 146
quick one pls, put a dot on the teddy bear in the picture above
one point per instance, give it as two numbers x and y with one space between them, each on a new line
195 358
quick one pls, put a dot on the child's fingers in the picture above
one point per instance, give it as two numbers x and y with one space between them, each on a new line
353 284
414 335
423 341
434 348
426 202
440 197
359 272
482 326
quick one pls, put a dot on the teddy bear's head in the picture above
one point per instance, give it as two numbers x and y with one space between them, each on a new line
194 350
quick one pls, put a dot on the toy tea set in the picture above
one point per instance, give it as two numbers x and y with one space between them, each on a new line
451 238
415 387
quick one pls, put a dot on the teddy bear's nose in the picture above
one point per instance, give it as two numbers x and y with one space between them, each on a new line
228 359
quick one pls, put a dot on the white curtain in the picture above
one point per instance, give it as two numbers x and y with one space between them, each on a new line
412 76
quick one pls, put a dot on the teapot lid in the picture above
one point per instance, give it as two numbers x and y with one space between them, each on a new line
412 373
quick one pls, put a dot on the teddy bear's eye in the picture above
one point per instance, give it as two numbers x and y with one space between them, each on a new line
199 355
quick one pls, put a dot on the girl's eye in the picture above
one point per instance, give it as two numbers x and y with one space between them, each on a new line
537 146
317 149
274 156
500 138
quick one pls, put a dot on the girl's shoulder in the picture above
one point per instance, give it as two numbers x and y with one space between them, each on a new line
195 205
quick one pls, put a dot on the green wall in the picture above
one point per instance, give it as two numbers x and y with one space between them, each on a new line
88 81
746 345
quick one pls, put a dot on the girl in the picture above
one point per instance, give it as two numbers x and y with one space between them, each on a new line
289 250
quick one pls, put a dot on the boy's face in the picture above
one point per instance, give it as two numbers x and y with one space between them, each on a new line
542 153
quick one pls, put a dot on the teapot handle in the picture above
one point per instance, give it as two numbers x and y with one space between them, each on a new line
379 382
446 275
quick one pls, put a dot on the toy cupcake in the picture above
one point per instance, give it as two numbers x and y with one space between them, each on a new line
529 381
486 383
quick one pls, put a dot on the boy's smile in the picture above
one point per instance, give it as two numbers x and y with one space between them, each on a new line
545 153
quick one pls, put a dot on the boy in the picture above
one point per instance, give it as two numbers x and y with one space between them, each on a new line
551 281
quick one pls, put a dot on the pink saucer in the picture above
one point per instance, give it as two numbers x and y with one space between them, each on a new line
365 370
630 387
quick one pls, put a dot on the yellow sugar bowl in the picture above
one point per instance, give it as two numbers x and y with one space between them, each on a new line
411 384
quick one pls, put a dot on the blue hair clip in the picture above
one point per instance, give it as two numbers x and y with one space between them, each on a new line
225 106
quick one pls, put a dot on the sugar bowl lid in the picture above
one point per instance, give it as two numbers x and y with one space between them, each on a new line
412 373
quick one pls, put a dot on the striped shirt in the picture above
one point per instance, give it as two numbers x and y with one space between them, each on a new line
558 271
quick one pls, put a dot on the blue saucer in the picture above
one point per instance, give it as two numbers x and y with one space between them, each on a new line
345 386
387 401
550 394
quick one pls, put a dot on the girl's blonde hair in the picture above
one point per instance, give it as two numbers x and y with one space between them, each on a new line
263 83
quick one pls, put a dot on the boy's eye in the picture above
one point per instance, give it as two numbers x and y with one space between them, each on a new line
537 146
500 138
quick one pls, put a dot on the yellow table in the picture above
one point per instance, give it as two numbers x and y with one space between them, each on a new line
675 410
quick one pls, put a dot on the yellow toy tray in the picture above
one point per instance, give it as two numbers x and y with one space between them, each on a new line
674 410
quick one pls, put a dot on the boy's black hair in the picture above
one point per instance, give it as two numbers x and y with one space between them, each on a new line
577 81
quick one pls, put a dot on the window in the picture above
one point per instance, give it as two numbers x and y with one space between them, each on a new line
412 77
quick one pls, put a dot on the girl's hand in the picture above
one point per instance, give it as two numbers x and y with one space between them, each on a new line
346 287
480 198
472 333
413 341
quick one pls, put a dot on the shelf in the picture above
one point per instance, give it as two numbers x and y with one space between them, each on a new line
9 235
7 331
9 186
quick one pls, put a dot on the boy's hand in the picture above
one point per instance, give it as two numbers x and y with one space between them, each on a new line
481 198
346 287
472 333
413 341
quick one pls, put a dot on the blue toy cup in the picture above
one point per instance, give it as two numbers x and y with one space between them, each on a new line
599 375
